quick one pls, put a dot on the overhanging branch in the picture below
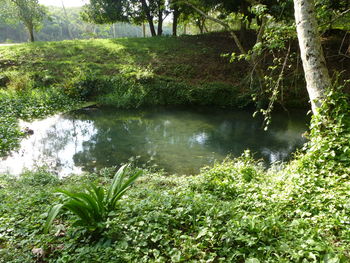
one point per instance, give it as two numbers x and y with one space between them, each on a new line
225 25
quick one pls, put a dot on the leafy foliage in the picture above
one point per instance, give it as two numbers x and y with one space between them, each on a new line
31 13
328 151
93 206
233 212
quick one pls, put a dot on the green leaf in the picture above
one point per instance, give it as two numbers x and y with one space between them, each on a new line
51 217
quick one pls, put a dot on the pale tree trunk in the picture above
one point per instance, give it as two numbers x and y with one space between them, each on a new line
314 64
114 28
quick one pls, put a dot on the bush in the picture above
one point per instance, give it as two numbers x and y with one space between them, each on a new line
86 84
131 93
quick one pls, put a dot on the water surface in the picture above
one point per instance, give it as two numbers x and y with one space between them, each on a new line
177 140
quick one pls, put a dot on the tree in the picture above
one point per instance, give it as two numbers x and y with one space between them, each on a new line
314 64
111 11
106 11
67 21
146 12
176 14
31 13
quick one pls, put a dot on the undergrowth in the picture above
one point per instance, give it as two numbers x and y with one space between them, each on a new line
235 211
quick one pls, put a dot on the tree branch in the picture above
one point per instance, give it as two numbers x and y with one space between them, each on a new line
336 18
225 25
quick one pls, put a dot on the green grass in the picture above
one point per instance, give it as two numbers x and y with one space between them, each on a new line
190 59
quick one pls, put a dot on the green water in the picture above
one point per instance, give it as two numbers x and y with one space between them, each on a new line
176 140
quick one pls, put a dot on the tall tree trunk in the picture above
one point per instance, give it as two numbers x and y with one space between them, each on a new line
160 23
149 17
160 18
160 28
205 27
175 20
199 25
31 33
143 30
151 26
314 64
114 28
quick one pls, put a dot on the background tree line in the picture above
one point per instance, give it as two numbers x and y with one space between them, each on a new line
130 18
64 24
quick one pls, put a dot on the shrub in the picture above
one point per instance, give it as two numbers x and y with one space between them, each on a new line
19 81
232 178
40 177
86 84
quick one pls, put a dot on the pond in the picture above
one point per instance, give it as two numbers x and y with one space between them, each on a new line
176 140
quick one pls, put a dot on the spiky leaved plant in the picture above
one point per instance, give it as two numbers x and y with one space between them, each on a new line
93 205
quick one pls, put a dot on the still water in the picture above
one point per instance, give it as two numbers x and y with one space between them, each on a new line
177 140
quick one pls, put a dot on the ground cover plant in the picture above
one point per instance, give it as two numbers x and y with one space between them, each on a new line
235 211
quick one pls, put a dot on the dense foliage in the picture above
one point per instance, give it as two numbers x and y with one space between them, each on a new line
328 151
236 211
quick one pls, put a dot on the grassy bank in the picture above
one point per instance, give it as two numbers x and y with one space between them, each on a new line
131 72
135 72
147 71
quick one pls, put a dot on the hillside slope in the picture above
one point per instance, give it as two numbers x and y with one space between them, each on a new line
184 67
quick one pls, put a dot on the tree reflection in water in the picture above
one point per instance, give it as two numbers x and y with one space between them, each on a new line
177 140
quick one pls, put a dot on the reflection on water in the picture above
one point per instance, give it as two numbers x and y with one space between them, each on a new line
177 140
